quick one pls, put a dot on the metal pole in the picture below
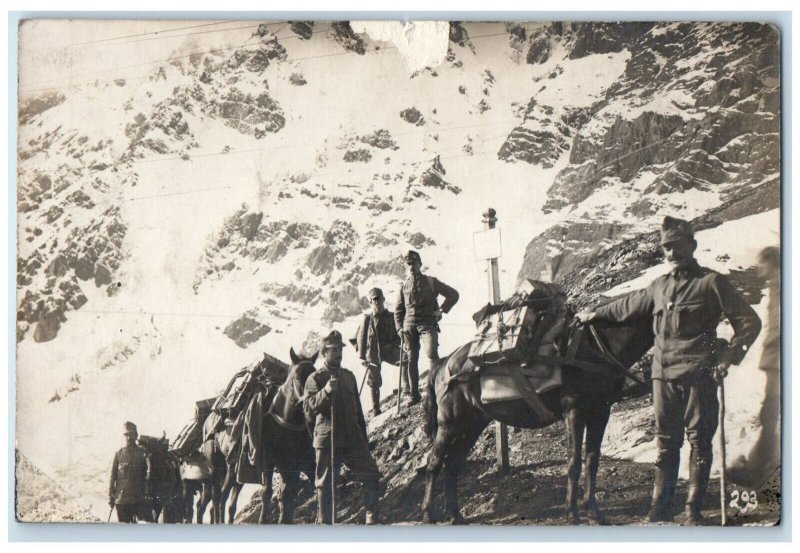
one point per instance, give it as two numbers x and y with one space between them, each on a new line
723 471
500 429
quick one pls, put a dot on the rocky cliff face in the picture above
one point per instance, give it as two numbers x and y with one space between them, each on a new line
696 109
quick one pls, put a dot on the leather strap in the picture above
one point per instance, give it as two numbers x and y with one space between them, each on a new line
529 395
585 365
286 424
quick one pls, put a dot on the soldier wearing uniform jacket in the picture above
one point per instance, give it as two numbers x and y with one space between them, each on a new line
331 399
686 306
377 342
130 475
417 314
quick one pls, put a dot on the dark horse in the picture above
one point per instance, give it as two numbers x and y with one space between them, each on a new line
164 487
286 441
456 416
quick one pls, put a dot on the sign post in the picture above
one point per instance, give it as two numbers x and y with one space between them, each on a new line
487 246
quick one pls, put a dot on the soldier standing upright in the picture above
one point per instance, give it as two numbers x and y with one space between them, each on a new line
332 404
686 306
130 475
378 342
417 314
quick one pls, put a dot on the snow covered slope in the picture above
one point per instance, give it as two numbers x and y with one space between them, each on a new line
228 200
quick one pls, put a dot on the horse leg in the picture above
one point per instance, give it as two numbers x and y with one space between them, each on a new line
235 489
206 497
435 463
595 429
290 485
227 485
575 423
452 466
266 495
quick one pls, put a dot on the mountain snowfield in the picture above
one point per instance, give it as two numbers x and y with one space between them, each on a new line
244 199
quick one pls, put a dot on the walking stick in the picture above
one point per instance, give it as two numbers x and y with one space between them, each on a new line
723 475
333 460
110 512
400 372
363 380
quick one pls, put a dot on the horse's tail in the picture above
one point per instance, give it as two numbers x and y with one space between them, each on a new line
431 407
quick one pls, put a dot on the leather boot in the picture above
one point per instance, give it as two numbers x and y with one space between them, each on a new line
666 478
699 473
372 503
376 401
323 506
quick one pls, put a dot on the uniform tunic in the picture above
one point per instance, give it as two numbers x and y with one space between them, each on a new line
350 429
686 306
130 472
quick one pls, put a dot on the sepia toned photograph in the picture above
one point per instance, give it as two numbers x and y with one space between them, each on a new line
386 273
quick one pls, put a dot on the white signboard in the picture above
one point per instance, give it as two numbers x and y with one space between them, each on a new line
487 244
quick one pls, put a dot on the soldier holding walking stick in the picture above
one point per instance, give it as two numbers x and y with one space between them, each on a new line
689 361
340 432
377 342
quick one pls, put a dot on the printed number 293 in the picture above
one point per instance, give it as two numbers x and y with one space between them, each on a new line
745 501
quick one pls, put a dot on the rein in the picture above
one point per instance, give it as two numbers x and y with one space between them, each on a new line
611 357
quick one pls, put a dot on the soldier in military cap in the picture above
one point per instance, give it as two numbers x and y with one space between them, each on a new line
686 306
417 314
331 400
377 342
130 475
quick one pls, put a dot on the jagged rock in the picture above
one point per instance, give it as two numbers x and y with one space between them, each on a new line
57 267
47 327
297 79
245 330
433 177
293 293
102 275
248 114
460 36
412 115
331 315
418 240
563 248
362 156
603 38
381 138
321 260
532 146
345 36
303 29
30 108
84 268
539 50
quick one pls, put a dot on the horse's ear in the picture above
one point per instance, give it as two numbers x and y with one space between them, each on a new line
314 358
293 356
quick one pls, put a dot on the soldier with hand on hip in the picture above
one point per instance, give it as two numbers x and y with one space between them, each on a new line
686 306
332 405
130 475
417 314
377 342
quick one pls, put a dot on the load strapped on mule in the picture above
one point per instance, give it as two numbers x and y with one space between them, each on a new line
517 341
224 417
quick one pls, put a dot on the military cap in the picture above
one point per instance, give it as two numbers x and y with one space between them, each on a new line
674 230
375 293
334 339
412 256
130 428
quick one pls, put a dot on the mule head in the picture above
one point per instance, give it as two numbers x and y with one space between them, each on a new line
302 367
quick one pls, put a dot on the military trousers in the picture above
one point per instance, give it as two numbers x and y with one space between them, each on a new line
388 354
419 337
687 405
129 513
356 457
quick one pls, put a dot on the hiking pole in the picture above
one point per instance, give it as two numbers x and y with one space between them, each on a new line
110 512
363 380
333 460
723 475
400 372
